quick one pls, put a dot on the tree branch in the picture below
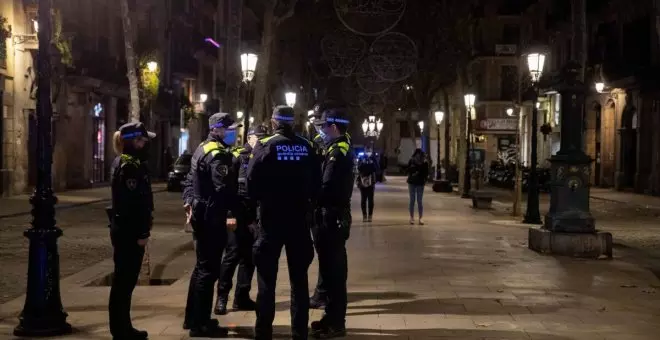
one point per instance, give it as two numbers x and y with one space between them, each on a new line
291 9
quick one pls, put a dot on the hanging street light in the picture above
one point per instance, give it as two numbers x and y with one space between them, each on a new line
152 66
203 97
43 313
469 100
290 99
600 86
535 62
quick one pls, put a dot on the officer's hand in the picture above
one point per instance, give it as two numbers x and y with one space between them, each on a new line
143 242
188 210
231 224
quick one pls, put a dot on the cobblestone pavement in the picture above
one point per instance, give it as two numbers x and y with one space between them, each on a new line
633 224
463 275
85 242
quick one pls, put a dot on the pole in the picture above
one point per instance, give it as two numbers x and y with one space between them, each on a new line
246 114
517 186
533 216
43 314
467 181
438 171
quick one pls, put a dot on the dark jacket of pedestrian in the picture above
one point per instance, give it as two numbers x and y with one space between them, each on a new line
418 168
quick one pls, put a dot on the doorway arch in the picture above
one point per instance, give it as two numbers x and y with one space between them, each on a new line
628 138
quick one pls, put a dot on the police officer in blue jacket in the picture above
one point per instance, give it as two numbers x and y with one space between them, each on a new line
210 193
282 177
333 230
238 252
130 223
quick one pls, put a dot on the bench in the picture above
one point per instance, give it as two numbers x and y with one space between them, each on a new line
482 199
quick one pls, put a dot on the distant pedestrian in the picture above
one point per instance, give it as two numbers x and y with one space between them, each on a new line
366 182
130 223
383 167
418 172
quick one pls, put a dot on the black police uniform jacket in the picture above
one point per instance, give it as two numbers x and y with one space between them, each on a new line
283 175
241 159
212 183
132 199
337 182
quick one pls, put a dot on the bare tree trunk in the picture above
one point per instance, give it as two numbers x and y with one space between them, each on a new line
130 61
263 66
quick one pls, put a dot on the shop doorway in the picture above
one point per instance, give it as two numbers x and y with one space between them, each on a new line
98 144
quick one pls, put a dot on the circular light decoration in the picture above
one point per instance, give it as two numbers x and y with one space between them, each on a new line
342 51
393 56
370 17
350 91
368 81
372 103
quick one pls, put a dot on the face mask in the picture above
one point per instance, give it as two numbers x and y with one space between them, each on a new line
252 141
230 137
326 138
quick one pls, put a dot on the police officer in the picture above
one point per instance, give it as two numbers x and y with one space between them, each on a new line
282 177
239 244
130 223
334 227
210 192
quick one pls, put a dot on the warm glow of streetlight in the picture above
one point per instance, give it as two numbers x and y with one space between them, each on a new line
203 97
251 120
239 114
421 125
439 115
248 66
600 86
535 62
35 24
152 66
310 112
509 112
290 98
538 105
379 125
469 100
365 126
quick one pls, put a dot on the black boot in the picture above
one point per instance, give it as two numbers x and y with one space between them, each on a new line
209 331
324 330
244 303
220 306
317 302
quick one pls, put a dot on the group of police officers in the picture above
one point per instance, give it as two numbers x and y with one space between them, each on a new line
248 203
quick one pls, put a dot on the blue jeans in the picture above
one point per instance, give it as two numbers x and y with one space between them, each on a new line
416 192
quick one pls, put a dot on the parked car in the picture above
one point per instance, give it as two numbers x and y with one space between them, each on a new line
179 171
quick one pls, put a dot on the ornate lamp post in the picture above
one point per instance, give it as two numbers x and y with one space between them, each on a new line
439 115
535 62
248 66
441 184
372 127
469 100
43 314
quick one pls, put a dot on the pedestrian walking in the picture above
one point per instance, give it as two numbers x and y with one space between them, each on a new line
366 181
418 173
238 252
334 228
210 192
130 223
282 178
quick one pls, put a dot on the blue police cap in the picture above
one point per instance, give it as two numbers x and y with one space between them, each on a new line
223 120
134 130
331 113
283 113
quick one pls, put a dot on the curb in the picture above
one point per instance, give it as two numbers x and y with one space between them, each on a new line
69 205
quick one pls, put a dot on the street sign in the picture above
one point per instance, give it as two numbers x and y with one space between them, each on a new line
498 124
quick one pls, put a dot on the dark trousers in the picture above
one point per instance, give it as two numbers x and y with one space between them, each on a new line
211 239
367 200
333 267
128 261
238 253
295 238
320 292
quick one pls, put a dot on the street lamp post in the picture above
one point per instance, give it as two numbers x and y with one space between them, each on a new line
469 99
43 313
441 184
372 127
290 99
248 66
439 115
535 62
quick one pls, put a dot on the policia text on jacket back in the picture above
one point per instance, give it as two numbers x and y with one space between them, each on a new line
210 193
282 177
333 229
238 252
130 223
